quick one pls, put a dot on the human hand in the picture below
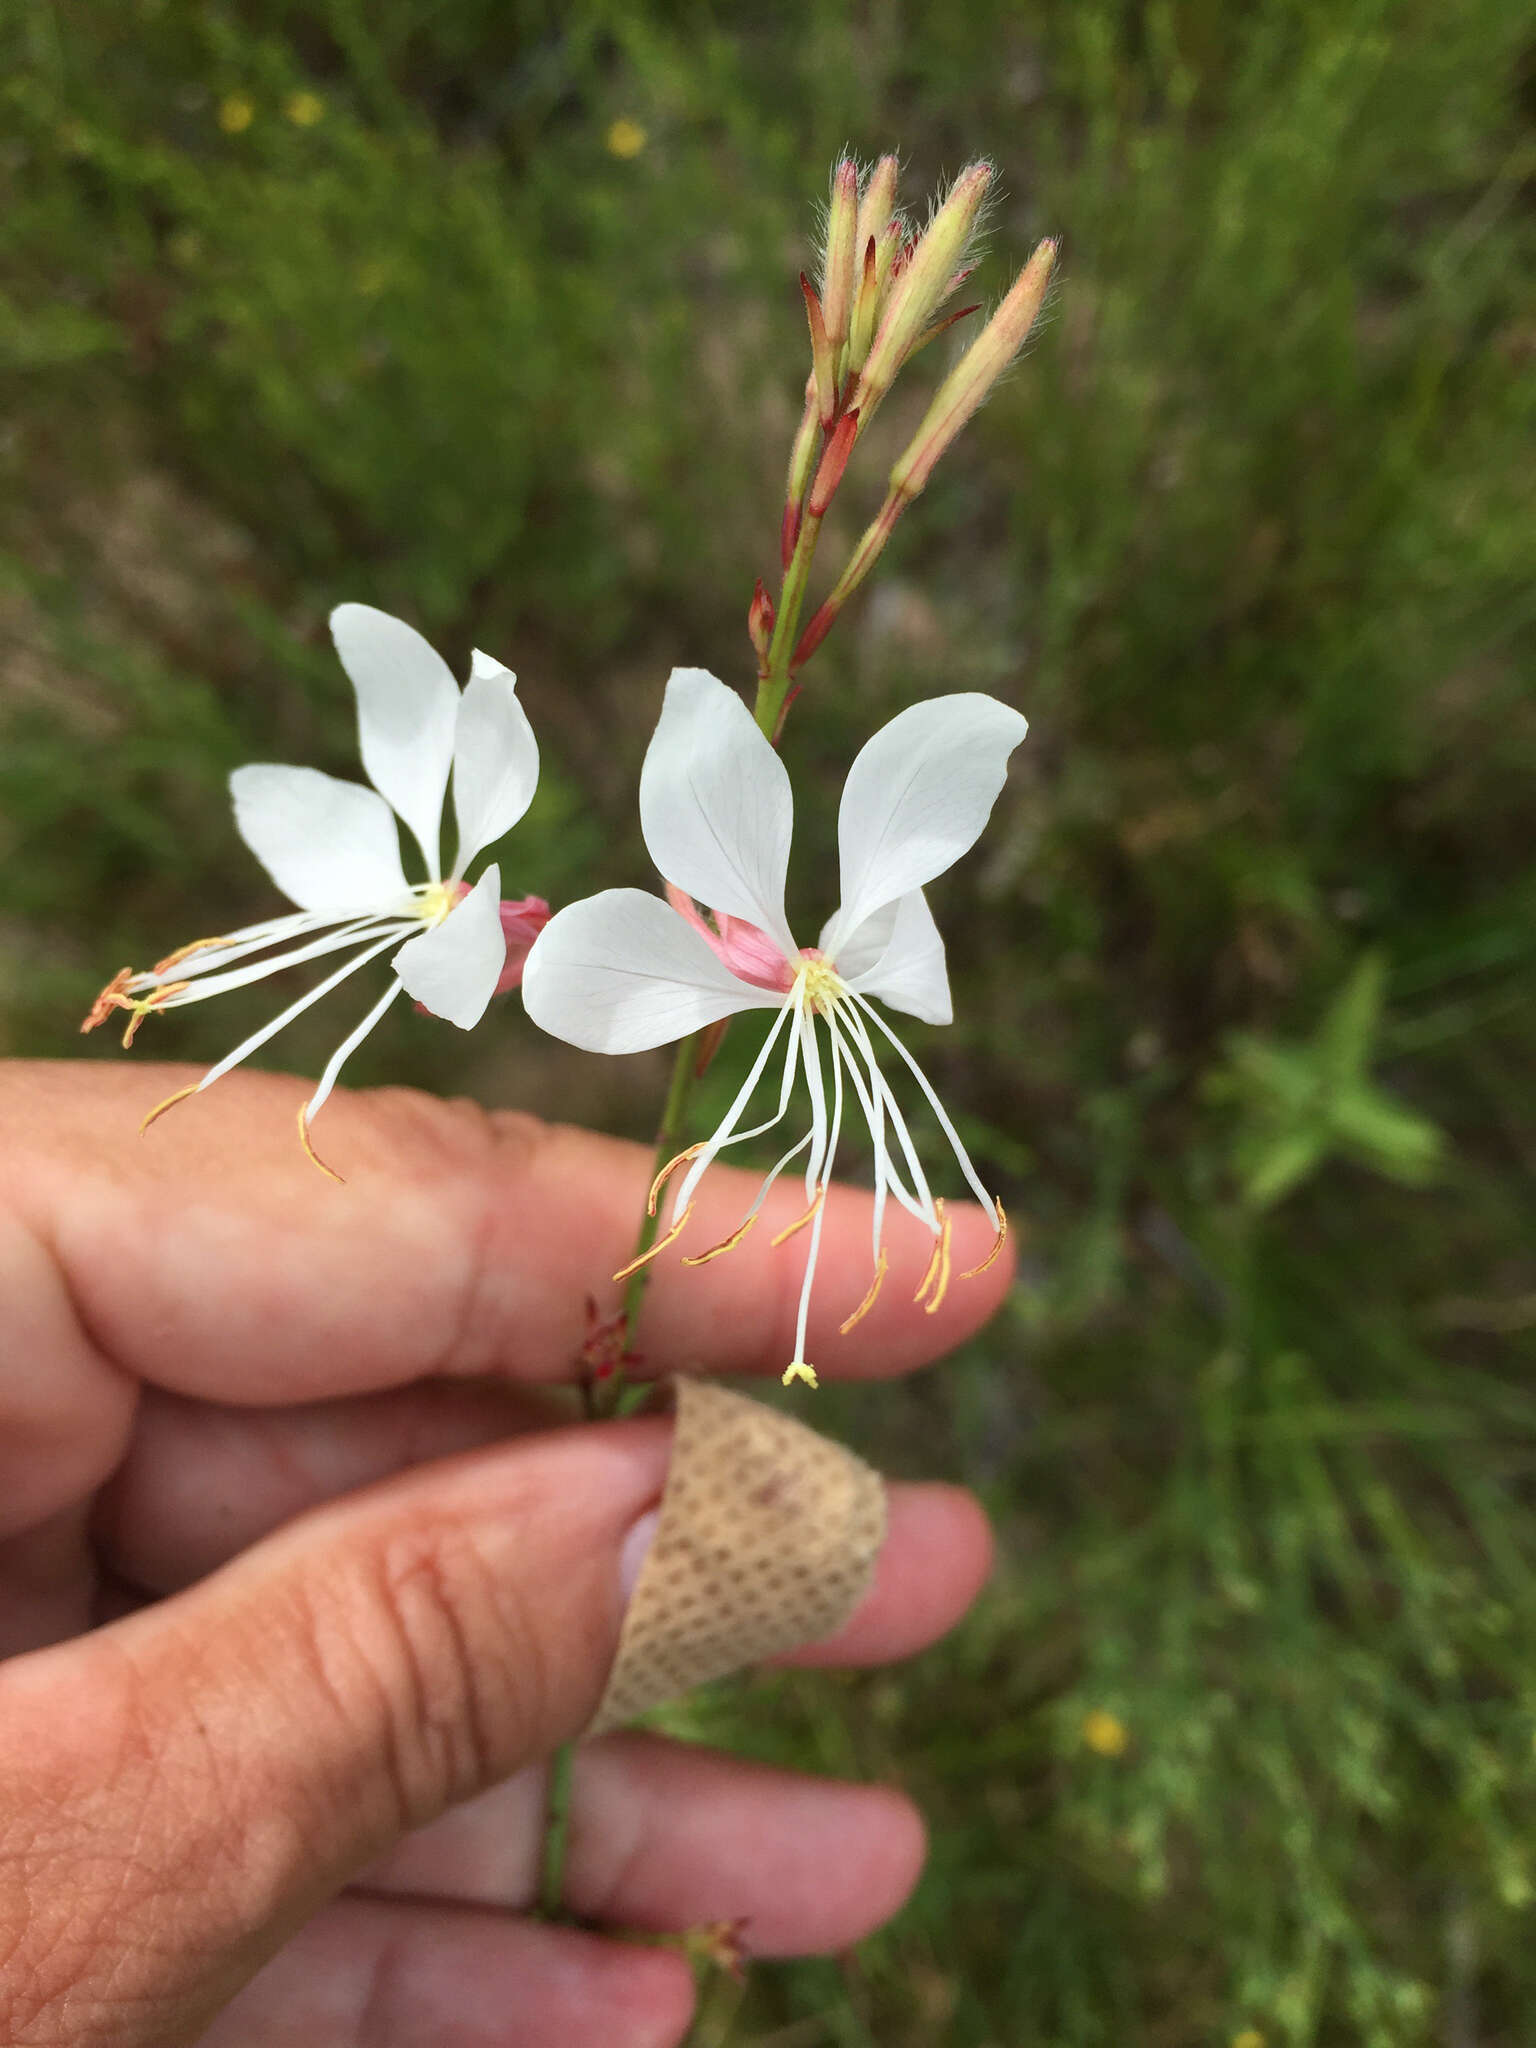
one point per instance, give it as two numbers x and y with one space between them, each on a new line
299 1585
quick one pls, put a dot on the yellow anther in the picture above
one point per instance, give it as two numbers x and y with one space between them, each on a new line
666 1173
868 1302
938 1266
1001 1240
801 1221
658 1247
726 1244
797 1369
170 1102
309 1150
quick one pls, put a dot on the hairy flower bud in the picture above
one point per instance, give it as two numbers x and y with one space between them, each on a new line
922 284
839 272
975 374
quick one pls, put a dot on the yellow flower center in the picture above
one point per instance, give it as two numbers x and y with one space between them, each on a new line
821 983
436 899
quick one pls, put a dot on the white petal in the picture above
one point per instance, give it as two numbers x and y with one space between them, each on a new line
917 797
454 968
495 759
715 803
328 845
621 971
863 945
407 702
908 972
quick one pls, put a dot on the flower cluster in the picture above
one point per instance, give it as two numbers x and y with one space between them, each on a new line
625 970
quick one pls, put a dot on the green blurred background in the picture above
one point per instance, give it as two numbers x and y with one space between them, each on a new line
376 301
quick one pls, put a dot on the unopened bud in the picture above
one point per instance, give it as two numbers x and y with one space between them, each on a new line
820 626
921 286
975 374
866 305
760 620
823 368
802 455
878 203
839 274
834 461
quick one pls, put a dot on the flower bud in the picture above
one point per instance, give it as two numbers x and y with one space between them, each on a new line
760 620
975 374
802 457
834 461
823 362
839 272
921 285
877 205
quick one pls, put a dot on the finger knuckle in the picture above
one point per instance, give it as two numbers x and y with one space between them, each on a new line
440 1655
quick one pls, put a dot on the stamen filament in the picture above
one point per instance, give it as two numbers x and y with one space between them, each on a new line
997 1246
869 1300
658 1247
962 1157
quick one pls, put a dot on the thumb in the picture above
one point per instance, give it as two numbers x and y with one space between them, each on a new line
180 1790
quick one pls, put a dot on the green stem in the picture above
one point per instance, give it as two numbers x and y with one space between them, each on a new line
773 683
667 1132
557 1828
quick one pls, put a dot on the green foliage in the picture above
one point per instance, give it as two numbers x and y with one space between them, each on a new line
305 303
1305 1103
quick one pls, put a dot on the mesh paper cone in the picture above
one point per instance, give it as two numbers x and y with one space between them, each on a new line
767 1539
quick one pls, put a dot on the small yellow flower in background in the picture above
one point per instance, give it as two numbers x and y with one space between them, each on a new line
1250 2037
625 138
304 109
235 113
1107 1735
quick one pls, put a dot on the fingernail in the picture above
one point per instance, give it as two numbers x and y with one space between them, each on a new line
632 1554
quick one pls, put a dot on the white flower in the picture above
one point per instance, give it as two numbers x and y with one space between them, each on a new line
333 848
623 971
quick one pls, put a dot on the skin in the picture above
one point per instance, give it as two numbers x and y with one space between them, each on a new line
302 1578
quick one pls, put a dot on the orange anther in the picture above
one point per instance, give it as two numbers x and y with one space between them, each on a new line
868 1302
801 1221
309 1150
666 1173
658 1247
726 1244
999 1242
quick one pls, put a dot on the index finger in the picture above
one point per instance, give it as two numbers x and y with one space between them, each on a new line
210 1258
